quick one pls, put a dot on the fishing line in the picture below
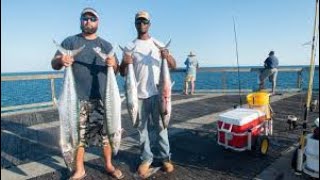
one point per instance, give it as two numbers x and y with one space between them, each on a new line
237 55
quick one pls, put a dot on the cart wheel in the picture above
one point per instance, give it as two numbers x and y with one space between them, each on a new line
263 145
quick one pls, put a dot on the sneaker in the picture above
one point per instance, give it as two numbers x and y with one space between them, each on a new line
143 169
168 166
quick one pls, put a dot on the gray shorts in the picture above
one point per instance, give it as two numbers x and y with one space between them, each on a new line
91 124
269 73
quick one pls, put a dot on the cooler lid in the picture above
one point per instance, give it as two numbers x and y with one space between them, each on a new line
240 116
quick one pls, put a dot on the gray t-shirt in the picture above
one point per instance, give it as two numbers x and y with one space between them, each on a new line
89 69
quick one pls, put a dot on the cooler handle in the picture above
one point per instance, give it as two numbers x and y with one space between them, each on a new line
224 129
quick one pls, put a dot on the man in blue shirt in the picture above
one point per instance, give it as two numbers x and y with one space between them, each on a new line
270 71
90 78
191 72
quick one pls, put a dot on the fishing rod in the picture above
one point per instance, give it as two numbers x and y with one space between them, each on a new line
237 54
309 95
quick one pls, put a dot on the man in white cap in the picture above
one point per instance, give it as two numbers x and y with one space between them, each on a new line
146 60
191 72
90 77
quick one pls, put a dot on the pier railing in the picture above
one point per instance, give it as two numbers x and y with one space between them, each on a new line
25 108
53 77
257 70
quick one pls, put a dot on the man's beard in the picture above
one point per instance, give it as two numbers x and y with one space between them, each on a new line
89 30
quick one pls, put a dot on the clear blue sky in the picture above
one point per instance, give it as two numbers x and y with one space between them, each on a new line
203 26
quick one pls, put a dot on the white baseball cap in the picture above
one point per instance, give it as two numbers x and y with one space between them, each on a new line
143 14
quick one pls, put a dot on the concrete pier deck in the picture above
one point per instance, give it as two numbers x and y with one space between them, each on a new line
29 143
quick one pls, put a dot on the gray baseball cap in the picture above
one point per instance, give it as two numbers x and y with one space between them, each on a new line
90 10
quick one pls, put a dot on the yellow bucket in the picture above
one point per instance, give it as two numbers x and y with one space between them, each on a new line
258 99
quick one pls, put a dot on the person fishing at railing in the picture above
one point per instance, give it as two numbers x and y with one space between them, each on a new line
191 72
270 71
90 78
146 60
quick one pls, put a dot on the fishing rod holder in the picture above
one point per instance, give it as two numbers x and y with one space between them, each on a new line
314 105
292 122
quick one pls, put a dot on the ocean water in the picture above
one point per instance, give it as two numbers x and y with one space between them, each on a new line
36 91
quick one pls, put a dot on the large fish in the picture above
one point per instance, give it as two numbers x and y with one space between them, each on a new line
165 86
112 106
68 107
131 91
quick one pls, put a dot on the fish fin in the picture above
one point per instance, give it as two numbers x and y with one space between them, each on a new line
65 51
77 51
172 83
157 45
127 50
167 44
122 49
60 48
55 102
138 82
134 48
160 47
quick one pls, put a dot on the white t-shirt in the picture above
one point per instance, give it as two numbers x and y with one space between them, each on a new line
146 63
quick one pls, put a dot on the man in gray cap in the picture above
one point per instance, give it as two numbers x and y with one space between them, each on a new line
270 71
90 78
146 60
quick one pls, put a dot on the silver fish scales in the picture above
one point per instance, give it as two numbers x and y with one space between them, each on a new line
112 106
68 107
165 86
131 91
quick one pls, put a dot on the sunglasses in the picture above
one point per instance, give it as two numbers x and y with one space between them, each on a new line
92 19
144 21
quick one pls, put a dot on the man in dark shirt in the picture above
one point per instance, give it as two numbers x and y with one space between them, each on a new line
90 77
270 71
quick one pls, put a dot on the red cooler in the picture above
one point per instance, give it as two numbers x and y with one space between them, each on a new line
238 126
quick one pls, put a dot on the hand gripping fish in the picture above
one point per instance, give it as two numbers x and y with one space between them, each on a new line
165 86
68 107
131 91
112 106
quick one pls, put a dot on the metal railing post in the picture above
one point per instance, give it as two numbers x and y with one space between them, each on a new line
299 79
224 84
53 94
